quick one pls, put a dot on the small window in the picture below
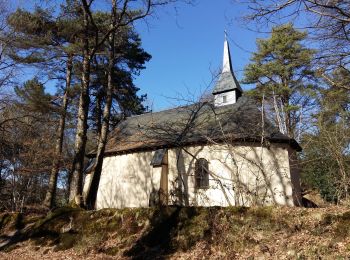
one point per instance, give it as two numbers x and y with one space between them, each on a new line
224 99
202 173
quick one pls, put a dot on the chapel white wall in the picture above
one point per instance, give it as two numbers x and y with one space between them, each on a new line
263 175
127 181
241 175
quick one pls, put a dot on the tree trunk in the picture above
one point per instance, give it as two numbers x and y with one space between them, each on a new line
278 113
290 129
51 192
96 175
98 115
76 183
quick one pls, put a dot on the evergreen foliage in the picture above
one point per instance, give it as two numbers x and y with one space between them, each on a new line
33 96
51 43
281 70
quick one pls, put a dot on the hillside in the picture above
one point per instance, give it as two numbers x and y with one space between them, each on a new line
177 232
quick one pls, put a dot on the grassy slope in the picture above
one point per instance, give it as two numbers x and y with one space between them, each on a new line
174 232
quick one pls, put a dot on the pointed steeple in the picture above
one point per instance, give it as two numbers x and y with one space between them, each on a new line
226 63
227 89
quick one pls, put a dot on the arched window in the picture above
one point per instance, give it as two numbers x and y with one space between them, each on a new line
202 173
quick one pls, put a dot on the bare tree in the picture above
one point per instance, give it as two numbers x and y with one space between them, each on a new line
26 157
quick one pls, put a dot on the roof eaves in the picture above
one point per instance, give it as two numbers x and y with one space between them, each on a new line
292 142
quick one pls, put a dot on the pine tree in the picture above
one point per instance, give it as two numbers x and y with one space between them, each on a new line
281 70
34 97
124 57
44 42
31 152
124 17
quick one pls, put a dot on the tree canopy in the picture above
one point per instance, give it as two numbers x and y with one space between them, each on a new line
281 70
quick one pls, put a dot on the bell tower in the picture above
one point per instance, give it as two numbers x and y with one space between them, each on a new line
227 89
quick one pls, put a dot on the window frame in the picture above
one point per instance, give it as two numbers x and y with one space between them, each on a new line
201 174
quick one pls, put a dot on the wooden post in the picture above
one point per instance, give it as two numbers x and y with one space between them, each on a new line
295 177
163 190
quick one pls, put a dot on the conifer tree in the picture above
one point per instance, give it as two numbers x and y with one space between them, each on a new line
123 58
45 42
326 21
281 70
31 153
125 16
71 41
34 97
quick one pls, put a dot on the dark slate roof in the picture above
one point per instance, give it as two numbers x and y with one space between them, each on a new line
201 123
226 82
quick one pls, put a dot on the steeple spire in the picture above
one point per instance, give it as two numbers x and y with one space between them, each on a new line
226 64
227 89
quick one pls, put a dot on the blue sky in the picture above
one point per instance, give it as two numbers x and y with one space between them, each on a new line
186 45
186 48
